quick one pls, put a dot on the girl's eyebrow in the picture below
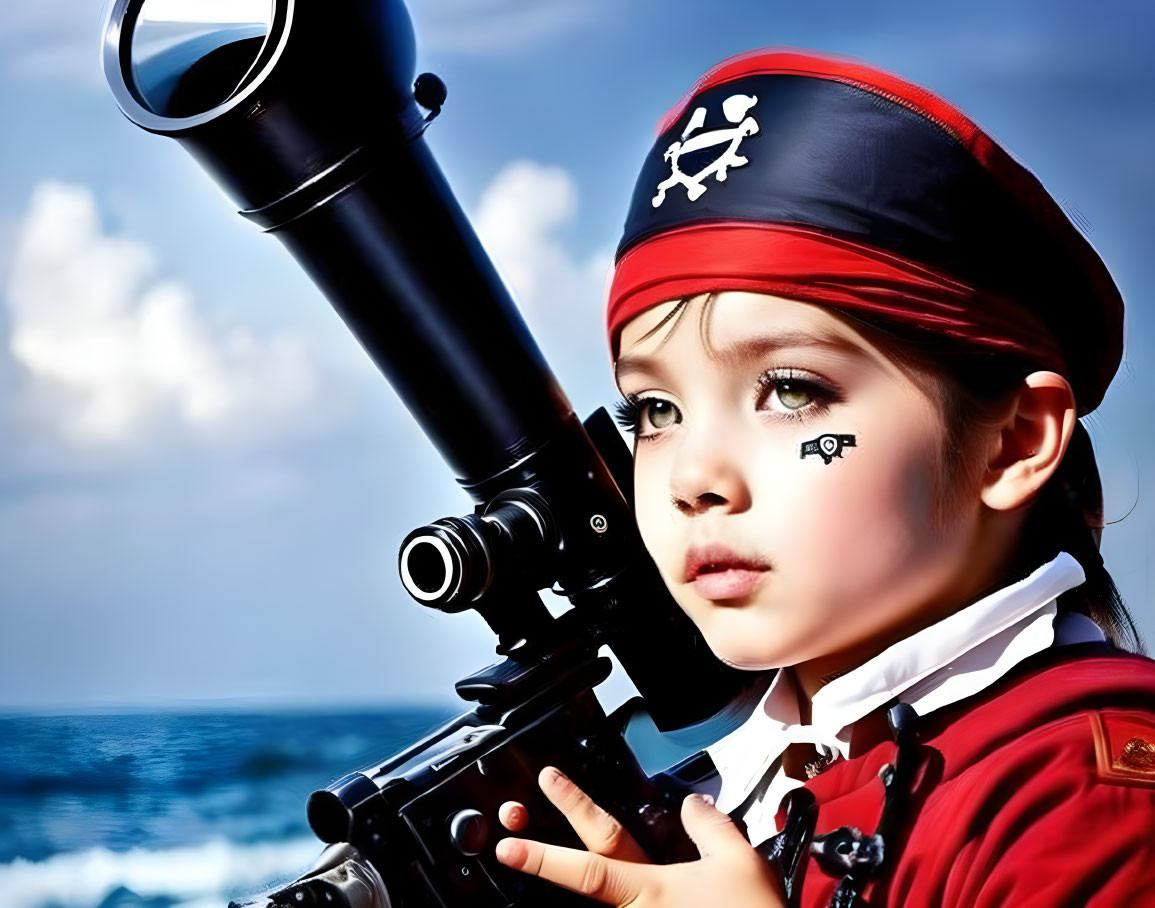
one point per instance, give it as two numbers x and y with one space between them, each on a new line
747 349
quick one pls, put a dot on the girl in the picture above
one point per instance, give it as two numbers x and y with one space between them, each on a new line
853 337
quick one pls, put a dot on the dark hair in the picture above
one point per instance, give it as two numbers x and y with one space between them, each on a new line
1067 514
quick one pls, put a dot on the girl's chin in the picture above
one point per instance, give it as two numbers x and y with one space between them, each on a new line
752 666
742 657
751 638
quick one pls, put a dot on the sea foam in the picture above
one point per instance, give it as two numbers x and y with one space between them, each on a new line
199 876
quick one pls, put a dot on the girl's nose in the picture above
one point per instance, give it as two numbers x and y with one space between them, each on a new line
706 475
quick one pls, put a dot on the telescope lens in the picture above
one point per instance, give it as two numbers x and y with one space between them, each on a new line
427 567
188 56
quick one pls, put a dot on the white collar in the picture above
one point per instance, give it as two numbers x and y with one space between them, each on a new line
952 659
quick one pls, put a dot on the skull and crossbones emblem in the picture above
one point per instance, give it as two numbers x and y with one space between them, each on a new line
827 446
735 108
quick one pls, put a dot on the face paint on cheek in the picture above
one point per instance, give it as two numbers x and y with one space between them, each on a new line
827 446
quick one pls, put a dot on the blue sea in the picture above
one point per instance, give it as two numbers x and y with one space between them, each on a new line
172 810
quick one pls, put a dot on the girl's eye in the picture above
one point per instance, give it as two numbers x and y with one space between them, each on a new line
790 393
637 414
661 413
785 391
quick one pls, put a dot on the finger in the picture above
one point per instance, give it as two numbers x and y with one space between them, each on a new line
593 875
513 816
599 831
710 829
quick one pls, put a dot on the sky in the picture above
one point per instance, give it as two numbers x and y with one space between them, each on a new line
204 482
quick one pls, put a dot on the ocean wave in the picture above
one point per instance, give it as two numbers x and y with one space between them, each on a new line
200 876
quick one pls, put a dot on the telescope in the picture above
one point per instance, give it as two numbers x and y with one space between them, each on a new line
308 115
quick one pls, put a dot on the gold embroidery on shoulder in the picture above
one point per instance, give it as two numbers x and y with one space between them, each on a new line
1125 746
1138 753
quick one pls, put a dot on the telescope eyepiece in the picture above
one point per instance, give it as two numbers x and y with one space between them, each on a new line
185 59
450 563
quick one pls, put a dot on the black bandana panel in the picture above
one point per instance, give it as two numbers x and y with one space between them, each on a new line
820 153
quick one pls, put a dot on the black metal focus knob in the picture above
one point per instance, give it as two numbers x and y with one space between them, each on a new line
330 810
469 831
430 92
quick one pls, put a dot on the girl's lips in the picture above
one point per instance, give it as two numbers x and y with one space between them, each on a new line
716 558
729 584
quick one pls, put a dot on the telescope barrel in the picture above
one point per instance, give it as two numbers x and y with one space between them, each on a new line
426 303
329 156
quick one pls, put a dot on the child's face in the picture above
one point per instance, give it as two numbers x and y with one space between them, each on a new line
840 555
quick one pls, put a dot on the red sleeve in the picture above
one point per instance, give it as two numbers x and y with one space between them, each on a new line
1069 820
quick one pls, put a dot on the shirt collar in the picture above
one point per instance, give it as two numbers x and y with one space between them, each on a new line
954 658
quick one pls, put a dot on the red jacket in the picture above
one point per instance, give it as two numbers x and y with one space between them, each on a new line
1038 792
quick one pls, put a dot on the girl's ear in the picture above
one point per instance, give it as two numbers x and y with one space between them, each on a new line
1029 445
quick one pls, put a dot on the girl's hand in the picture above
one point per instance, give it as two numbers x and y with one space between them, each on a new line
615 870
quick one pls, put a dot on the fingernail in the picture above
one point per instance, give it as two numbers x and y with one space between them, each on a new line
557 777
706 799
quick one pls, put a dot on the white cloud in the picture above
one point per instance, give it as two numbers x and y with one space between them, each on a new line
111 357
519 218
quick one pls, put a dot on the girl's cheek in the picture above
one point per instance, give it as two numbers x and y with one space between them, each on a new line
654 514
872 511
806 506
